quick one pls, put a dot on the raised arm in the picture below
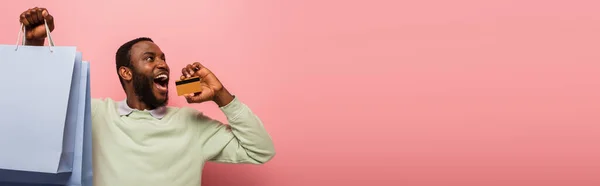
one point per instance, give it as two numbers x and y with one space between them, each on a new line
33 20
244 140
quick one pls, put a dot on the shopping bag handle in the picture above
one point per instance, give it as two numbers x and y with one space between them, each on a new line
23 31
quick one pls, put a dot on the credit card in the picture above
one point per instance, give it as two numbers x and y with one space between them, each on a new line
188 86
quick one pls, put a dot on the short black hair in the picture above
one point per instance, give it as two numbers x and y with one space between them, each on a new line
123 56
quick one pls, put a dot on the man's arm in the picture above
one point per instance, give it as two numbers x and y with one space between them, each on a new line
244 140
35 31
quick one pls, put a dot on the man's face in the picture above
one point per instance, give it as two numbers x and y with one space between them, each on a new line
150 74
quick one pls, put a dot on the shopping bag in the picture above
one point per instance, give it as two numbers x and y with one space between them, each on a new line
82 174
40 112
82 165
87 173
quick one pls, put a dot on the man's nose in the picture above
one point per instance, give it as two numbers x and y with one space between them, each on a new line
162 64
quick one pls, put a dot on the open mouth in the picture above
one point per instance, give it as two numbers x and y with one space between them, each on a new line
161 82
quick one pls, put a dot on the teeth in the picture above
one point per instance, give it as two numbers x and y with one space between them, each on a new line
162 77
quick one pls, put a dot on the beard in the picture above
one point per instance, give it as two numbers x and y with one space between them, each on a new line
143 85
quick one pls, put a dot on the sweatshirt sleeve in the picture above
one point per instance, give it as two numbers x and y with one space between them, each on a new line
243 140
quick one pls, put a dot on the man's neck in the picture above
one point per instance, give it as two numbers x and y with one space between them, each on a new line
135 103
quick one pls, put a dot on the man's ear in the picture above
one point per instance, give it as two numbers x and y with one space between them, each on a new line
125 73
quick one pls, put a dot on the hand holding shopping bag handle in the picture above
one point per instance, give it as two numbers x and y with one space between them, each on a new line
55 152
38 23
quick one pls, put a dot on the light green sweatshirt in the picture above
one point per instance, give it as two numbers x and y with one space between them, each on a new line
169 146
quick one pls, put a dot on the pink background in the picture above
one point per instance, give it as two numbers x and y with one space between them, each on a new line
411 93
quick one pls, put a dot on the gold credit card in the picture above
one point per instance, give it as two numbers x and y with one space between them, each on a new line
188 86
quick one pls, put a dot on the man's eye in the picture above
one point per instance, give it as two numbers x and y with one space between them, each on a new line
150 59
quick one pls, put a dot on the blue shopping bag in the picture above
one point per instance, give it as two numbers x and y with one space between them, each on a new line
44 116
82 174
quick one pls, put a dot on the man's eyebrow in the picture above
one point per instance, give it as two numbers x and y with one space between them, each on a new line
151 53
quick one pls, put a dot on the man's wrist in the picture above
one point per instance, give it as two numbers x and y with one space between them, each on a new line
223 97
34 42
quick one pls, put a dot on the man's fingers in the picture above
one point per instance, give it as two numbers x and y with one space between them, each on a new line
45 12
189 98
33 15
185 71
203 96
202 73
196 98
49 18
190 70
29 19
201 70
32 18
195 69
198 64
39 15
36 16
24 20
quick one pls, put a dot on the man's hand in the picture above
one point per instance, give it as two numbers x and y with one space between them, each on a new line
212 89
33 20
